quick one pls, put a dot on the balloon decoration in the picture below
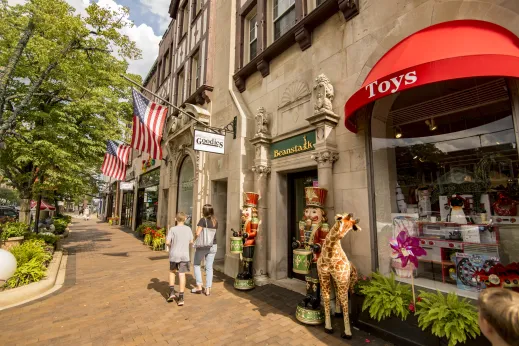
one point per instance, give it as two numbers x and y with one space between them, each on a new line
407 249
7 265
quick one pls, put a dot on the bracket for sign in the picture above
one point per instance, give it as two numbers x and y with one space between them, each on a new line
229 128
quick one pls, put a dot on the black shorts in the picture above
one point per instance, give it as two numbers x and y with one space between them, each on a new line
182 267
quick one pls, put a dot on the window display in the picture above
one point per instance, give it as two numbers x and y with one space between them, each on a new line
446 170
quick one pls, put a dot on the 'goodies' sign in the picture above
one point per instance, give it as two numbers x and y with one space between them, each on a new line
209 141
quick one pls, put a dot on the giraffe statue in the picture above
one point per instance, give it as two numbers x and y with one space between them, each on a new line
333 263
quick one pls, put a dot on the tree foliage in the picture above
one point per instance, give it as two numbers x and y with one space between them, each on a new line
61 94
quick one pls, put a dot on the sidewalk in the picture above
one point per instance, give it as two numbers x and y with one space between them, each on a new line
114 294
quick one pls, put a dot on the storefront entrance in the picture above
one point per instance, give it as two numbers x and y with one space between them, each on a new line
127 209
295 209
148 197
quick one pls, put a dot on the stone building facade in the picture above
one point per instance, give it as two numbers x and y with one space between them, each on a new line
286 69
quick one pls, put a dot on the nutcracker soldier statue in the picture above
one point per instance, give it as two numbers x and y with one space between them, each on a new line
312 231
248 232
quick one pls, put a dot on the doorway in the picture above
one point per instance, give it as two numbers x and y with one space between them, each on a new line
219 202
296 208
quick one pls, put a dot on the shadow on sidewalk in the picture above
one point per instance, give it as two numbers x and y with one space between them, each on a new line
162 287
270 299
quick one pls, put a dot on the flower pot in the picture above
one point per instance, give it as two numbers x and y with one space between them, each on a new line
11 242
392 329
403 272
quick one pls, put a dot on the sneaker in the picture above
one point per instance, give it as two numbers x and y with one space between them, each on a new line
180 301
171 296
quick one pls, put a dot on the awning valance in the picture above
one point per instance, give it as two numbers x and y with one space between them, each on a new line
446 51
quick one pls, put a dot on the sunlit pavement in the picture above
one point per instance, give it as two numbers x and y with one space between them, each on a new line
114 294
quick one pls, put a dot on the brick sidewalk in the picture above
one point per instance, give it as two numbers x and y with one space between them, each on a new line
114 294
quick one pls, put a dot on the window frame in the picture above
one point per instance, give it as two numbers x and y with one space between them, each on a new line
183 23
193 84
251 15
292 7
179 97
196 6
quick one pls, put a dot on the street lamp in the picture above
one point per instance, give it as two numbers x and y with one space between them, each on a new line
7 265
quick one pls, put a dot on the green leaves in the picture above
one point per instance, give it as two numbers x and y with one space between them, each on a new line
385 297
63 93
447 316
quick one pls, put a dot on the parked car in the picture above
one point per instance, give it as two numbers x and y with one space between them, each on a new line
8 211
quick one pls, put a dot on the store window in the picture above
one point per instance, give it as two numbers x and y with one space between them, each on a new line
148 197
445 163
186 181
284 16
253 37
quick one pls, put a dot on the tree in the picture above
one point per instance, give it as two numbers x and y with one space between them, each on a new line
61 94
8 196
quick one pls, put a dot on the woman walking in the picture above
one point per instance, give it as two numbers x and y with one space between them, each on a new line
206 253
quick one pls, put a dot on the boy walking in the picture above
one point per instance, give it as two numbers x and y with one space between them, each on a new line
178 240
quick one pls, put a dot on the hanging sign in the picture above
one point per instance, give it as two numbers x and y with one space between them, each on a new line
293 145
209 141
126 185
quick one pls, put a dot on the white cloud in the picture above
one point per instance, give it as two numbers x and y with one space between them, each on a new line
159 8
143 34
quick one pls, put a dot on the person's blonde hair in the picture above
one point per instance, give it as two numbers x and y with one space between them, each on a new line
181 217
500 308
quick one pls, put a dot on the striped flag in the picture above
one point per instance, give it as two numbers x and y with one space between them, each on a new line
116 158
148 123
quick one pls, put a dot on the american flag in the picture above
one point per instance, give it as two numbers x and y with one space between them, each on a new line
148 123
116 158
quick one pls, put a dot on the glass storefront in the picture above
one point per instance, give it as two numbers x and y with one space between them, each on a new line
148 197
445 170
185 189
127 209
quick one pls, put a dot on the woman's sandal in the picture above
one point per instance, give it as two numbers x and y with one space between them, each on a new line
208 291
195 291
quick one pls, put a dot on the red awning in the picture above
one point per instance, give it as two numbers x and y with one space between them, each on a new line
446 51
43 206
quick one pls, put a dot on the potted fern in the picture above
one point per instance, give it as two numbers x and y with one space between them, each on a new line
384 307
454 321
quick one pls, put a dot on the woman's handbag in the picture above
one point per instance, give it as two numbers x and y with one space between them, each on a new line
206 237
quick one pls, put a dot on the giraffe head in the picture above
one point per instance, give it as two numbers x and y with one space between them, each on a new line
346 224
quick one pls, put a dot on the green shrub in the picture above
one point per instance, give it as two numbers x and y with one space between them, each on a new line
385 297
32 271
147 239
13 229
48 238
31 258
67 218
448 316
60 226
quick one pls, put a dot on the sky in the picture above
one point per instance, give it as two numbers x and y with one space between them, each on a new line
150 18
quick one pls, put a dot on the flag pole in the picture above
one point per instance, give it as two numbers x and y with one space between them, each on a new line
167 102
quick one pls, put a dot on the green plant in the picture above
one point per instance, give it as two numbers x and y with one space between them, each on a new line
26 273
67 218
386 297
158 243
448 316
29 250
31 258
60 226
13 229
48 238
362 281
148 239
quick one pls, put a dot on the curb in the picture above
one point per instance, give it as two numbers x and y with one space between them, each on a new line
38 289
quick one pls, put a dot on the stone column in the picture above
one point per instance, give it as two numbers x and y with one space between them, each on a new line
261 169
326 153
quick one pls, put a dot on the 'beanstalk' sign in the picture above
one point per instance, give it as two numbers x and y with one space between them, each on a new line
293 145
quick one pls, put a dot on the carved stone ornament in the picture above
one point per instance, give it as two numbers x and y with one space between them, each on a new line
295 91
324 95
262 122
261 169
326 157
